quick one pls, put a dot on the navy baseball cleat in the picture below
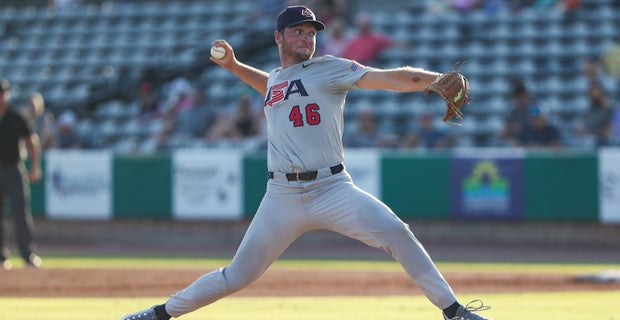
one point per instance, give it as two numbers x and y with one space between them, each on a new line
146 314
467 312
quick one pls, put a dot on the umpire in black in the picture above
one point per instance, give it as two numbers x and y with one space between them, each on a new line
15 179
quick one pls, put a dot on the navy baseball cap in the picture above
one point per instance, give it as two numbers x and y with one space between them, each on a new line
294 15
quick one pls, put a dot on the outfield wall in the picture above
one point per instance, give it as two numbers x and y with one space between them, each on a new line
488 184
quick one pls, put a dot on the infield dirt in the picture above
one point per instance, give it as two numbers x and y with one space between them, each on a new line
63 282
202 240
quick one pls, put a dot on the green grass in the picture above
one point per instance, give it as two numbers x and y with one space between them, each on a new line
517 306
549 306
60 261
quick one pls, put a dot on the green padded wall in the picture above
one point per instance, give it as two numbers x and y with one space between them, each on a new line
142 186
255 177
416 186
561 186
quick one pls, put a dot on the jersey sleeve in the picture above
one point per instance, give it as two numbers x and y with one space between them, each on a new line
345 73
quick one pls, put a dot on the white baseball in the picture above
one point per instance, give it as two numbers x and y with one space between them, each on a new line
218 52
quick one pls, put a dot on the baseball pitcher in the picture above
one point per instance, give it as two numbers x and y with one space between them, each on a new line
309 187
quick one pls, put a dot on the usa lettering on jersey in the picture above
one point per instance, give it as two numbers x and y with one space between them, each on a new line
283 90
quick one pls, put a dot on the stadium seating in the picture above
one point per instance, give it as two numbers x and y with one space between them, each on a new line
90 58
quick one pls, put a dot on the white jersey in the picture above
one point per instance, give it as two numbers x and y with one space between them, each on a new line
304 111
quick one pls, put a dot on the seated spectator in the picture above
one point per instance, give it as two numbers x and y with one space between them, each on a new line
40 120
610 59
426 136
195 122
366 45
147 98
538 132
242 124
67 137
570 5
180 98
336 39
179 102
465 5
596 123
518 116
367 133
591 69
329 11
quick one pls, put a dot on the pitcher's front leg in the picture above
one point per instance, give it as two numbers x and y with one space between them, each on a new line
269 234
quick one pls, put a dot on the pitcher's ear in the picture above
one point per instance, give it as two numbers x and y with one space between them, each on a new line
277 37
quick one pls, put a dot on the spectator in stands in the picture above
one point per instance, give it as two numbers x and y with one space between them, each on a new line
518 116
597 121
329 11
242 124
610 59
336 39
179 103
488 6
539 132
67 136
465 5
367 132
426 135
147 98
570 5
197 121
366 45
591 69
180 98
40 120
544 5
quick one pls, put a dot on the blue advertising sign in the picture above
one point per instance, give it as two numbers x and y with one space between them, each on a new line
486 187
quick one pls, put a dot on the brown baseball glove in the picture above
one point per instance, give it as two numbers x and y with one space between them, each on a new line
453 87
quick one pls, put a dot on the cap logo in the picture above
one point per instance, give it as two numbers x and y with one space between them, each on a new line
294 15
307 13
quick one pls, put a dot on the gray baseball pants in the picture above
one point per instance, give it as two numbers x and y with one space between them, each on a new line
288 210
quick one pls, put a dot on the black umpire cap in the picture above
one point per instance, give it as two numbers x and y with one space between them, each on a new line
294 15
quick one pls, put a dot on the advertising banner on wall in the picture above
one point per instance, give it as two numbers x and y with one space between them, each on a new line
609 185
78 184
487 184
207 184
364 166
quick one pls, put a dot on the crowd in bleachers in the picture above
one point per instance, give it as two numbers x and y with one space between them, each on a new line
133 76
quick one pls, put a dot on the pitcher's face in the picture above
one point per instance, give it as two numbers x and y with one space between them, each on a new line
297 43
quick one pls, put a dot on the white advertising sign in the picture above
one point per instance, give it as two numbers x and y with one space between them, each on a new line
364 165
609 185
79 184
207 184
